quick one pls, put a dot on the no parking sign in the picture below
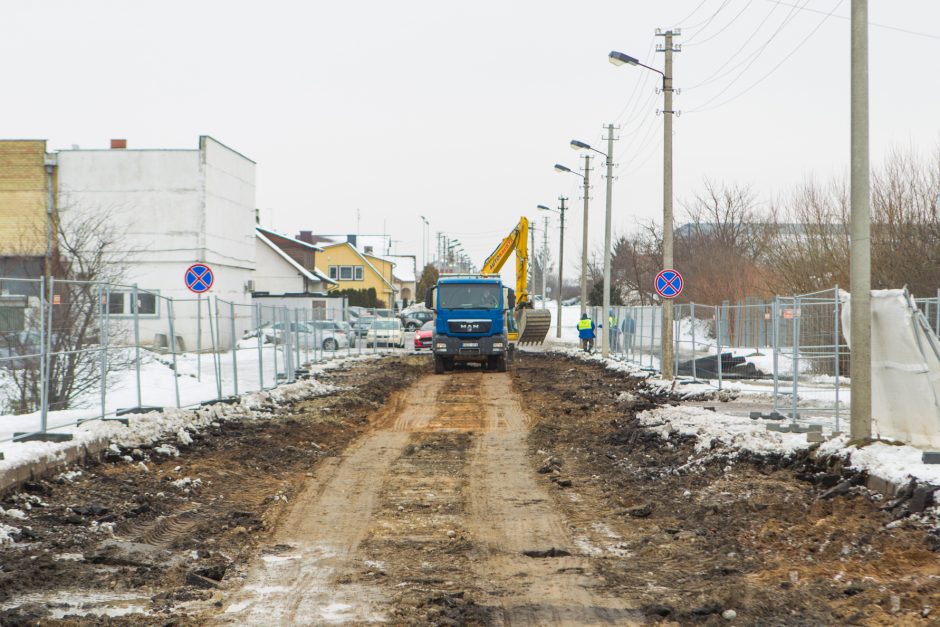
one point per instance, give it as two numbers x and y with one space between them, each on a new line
199 278
669 283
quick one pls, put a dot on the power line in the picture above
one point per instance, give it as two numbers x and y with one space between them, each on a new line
705 106
846 17
694 11
704 25
636 87
737 52
723 28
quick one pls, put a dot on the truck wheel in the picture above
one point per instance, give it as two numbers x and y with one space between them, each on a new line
438 364
492 363
448 364
501 364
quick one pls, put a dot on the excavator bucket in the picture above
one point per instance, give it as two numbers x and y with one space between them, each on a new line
533 325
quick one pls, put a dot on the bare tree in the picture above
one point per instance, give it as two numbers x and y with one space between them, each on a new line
87 260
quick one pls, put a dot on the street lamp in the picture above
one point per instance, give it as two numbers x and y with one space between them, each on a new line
561 255
609 156
619 58
584 229
424 240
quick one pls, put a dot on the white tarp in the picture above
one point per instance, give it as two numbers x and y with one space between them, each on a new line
905 370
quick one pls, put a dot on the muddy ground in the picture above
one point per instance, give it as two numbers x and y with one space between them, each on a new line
699 539
472 498
124 538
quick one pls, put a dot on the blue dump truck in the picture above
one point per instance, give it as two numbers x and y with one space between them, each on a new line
470 321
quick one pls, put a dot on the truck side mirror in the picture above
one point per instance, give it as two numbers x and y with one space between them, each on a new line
429 298
512 298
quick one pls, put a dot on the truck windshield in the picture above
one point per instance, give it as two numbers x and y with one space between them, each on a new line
468 296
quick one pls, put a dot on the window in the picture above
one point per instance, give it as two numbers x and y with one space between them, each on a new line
345 273
146 303
334 273
116 303
122 303
359 273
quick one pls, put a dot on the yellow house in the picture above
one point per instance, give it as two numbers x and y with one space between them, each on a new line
354 270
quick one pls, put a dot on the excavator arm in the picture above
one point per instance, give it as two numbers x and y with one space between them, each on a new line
516 242
532 324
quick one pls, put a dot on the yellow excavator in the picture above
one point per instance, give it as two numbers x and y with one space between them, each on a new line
525 325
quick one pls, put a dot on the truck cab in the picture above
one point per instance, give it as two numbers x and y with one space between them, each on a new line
470 321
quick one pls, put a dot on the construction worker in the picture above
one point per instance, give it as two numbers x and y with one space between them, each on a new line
586 333
614 327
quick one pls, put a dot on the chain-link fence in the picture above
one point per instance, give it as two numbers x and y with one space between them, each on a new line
72 351
790 349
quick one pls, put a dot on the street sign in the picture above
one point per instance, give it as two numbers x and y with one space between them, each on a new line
790 314
199 278
669 284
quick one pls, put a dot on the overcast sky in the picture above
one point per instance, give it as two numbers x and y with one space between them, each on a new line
457 110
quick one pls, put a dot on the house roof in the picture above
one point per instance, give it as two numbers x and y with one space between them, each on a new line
367 262
293 240
315 276
404 269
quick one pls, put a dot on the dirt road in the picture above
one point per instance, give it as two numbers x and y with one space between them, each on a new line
405 498
440 499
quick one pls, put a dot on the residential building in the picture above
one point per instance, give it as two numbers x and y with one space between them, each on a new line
172 208
405 278
24 213
357 270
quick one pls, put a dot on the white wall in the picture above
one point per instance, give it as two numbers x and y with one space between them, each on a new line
174 208
273 274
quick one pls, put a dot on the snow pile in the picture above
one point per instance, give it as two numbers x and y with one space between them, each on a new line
713 428
895 462
149 428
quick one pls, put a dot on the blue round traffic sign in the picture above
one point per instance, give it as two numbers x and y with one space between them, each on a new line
199 278
669 283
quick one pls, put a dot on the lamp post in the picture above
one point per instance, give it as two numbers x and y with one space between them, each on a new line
584 233
619 58
609 156
561 257
424 241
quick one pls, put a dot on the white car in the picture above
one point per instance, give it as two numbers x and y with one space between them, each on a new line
385 332
330 335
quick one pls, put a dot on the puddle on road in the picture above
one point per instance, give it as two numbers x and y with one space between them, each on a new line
62 603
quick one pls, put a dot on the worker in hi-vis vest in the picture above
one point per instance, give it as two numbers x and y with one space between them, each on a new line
586 333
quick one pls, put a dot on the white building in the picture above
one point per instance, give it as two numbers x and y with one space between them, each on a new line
174 208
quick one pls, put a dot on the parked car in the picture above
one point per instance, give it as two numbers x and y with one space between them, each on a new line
423 335
330 335
362 324
386 332
305 335
350 333
571 301
414 320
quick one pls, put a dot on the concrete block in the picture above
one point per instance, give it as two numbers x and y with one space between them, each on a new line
143 409
756 415
815 436
931 457
814 427
41 437
14 477
778 428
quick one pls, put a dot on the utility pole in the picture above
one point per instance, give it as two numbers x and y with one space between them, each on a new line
561 262
584 239
666 367
543 265
860 263
532 261
605 344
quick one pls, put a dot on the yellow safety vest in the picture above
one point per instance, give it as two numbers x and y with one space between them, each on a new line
584 324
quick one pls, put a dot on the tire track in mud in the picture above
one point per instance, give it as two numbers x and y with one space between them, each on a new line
511 513
314 547
426 518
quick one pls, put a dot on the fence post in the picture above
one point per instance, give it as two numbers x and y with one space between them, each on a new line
718 346
260 346
217 357
640 343
297 338
274 341
694 368
797 312
653 319
104 307
775 313
676 329
48 353
936 309
836 345
43 388
231 306
176 377
136 295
